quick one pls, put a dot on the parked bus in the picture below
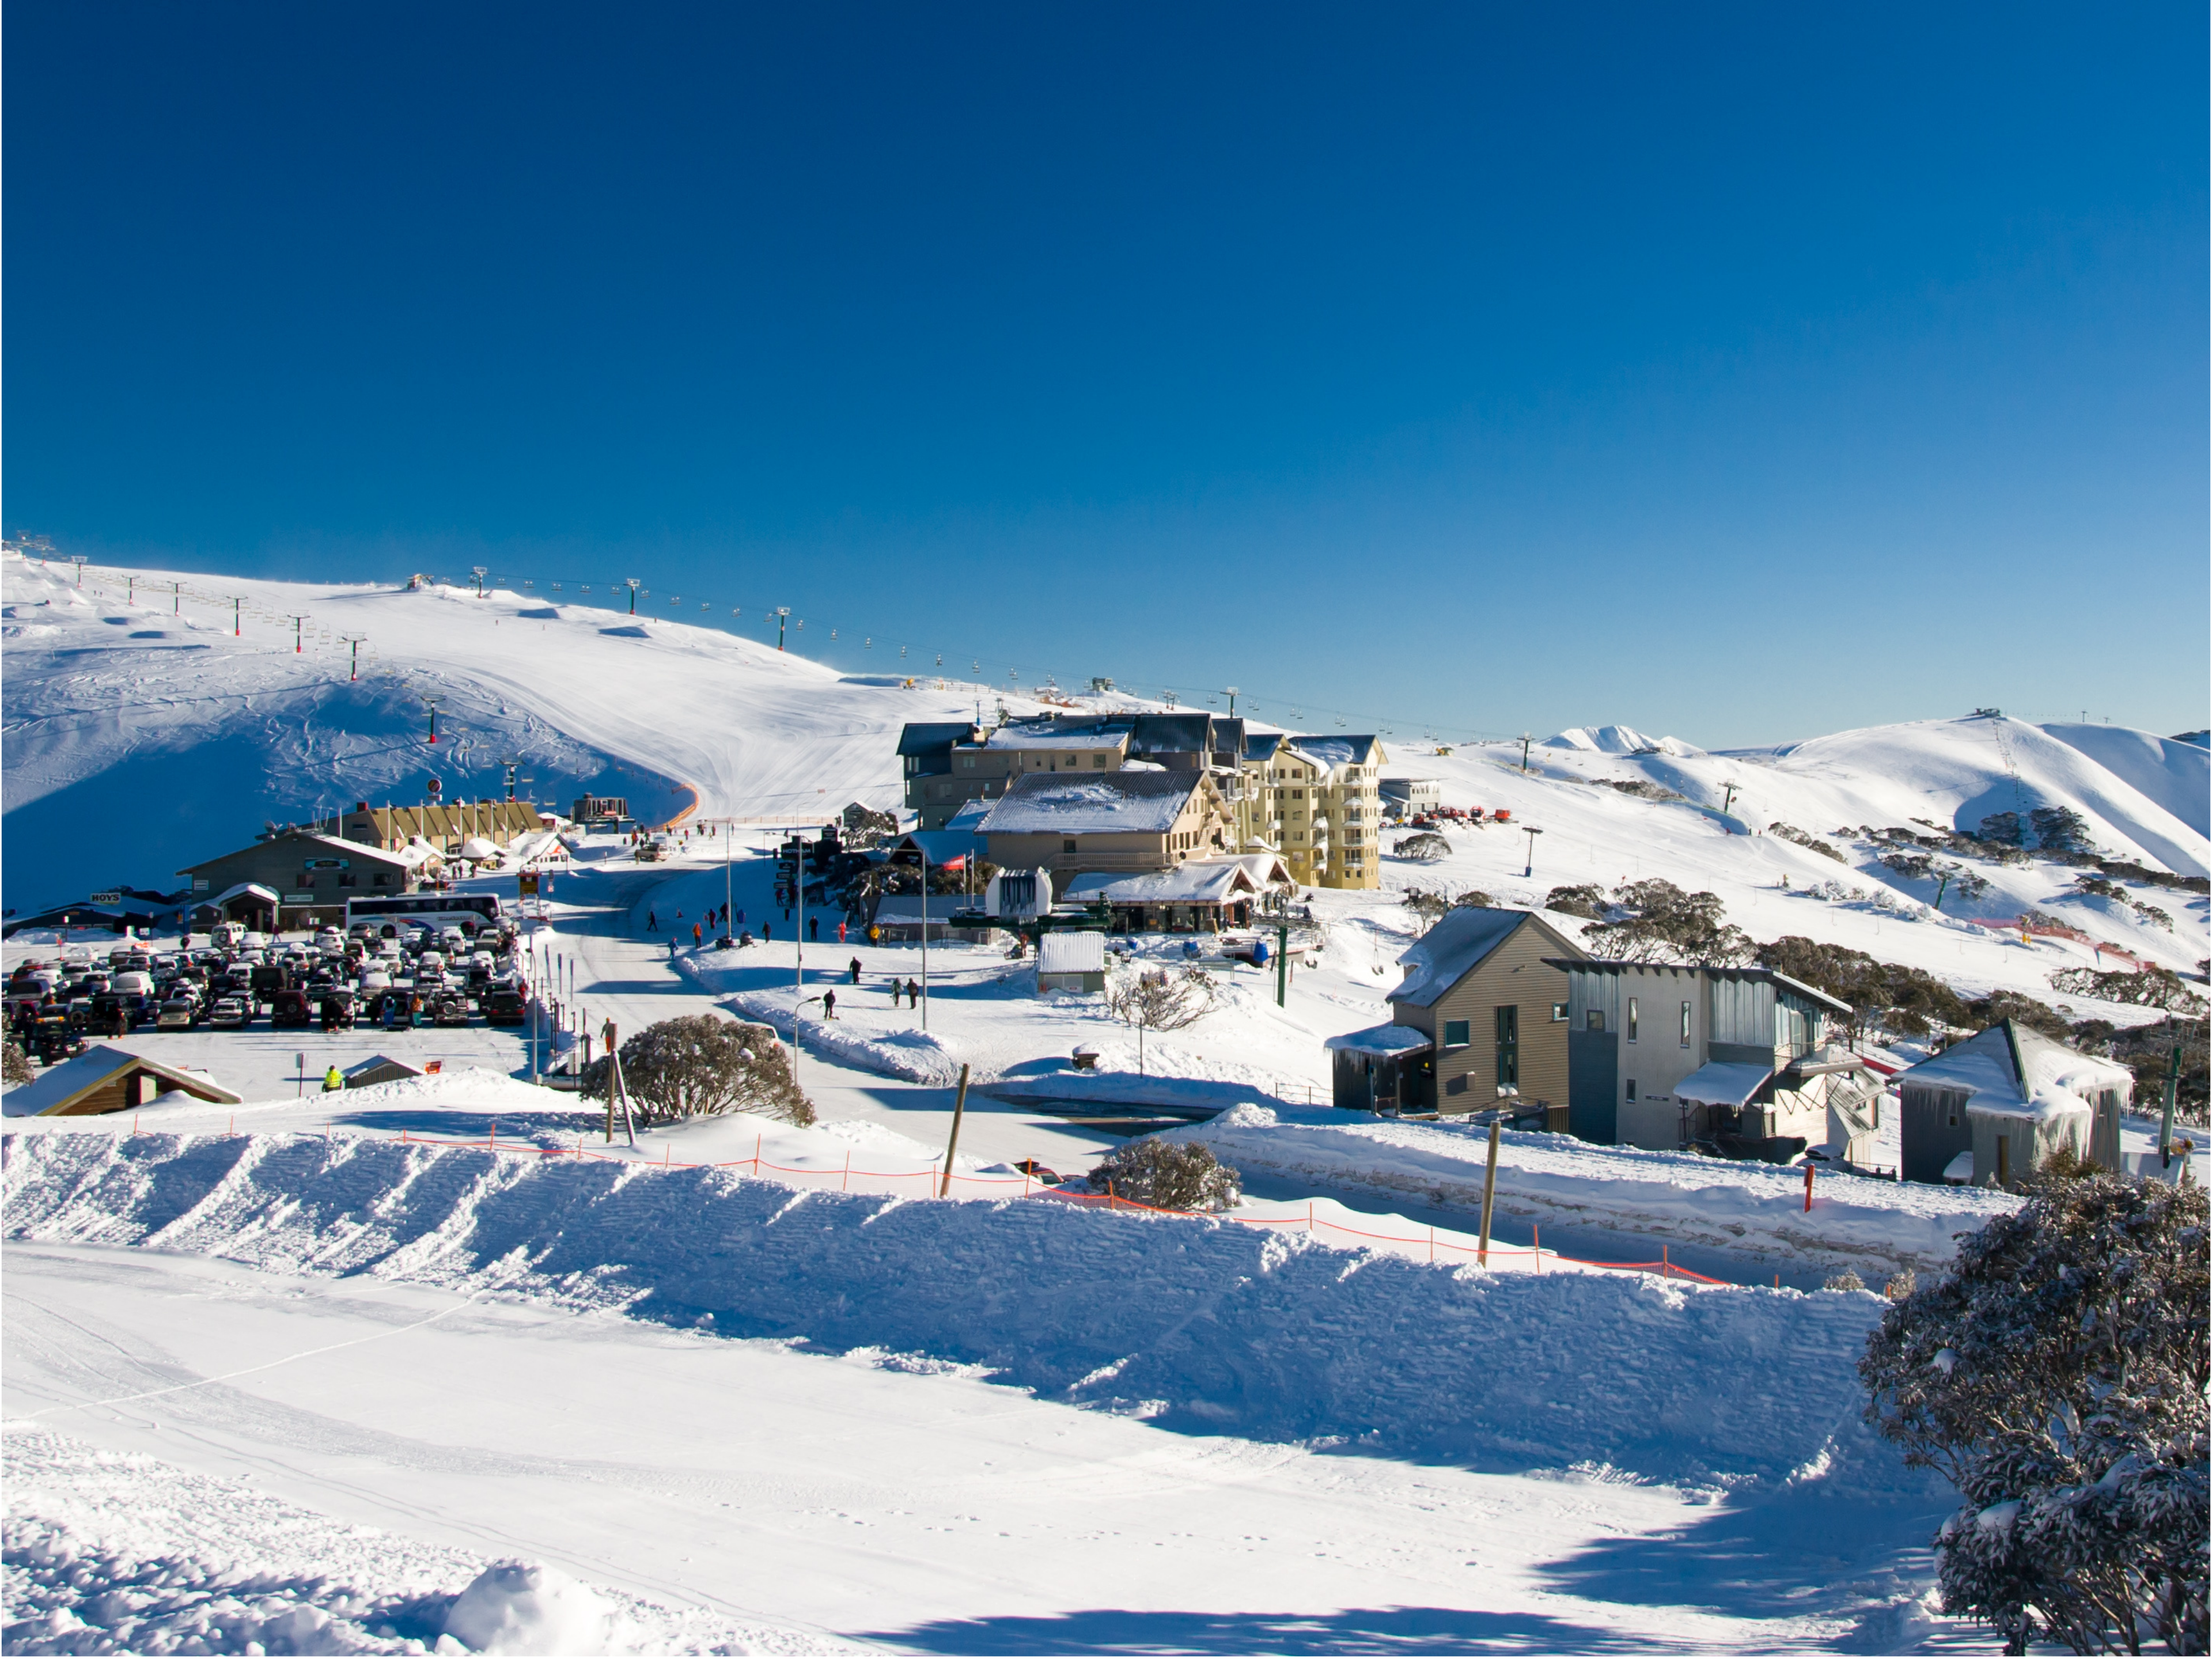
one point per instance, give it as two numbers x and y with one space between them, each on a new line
470 911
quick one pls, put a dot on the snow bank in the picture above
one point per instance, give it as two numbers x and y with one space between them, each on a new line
1203 1326
1885 1224
917 1056
111 1553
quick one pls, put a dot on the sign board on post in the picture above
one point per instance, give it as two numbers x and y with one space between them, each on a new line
528 879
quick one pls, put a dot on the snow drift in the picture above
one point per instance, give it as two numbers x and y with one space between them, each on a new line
1203 1327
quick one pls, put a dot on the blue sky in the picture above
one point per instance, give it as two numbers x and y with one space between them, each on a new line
1739 372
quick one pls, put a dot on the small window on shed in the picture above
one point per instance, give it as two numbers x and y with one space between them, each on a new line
1631 1019
1558 1013
1067 845
1686 1025
1594 1019
1631 1088
1455 1033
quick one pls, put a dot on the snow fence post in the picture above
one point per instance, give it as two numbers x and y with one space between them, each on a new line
959 1105
1489 1190
1808 1189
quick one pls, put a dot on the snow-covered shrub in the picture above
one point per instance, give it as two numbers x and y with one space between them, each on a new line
1168 1176
2056 1377
2151 914
2151 988
1430 909
700 1066
1791 833
1587 900
1845 1280
2061 829
1910 865
2002 828
1901 1284
14 1064
1424 849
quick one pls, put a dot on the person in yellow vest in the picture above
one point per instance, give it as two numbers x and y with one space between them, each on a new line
333 1079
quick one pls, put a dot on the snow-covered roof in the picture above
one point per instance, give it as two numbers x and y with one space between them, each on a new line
1197 881
969 818
940 846
1185 731
239 889
923 738
1441 957
307 838
60 1087
1081 952
2011 1070
1113 803
1383 1040
1102 735
1330 753
1718 1083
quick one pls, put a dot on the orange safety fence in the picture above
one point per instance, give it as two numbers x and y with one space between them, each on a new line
1112 1202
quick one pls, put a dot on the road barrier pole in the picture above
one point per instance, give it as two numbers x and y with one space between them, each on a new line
1489 1192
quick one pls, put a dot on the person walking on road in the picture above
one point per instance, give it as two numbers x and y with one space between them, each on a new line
652 923
814 927
829 1005
841 932
697 936
853 968
913 995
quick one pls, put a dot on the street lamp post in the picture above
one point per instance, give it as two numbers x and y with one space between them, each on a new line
632 585
1532 833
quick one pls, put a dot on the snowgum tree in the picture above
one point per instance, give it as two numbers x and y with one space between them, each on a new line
2056 1377
699 1066
1168 1176
1657 921
1159 1002
14 1064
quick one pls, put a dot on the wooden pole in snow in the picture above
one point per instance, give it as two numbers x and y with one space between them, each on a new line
959 1105
1489 1190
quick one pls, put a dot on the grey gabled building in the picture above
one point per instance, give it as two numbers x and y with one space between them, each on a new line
1662 1054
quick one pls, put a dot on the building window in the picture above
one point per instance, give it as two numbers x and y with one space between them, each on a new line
1631 1088
1558 1013
1594 1019
384 878
1067 847
1631 1019
349 881
1686 1025
1455 1033
1508 1047
1098 760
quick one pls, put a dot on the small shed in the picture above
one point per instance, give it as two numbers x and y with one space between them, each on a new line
2011 1096
1384 1068
378 1069
1071 962
105 1079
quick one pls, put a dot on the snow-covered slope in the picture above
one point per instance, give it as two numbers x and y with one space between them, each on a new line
131 703
141 732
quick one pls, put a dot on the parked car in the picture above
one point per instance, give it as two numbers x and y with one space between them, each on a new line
178 1014
504 1006
449 1010
229 1014
289 1010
